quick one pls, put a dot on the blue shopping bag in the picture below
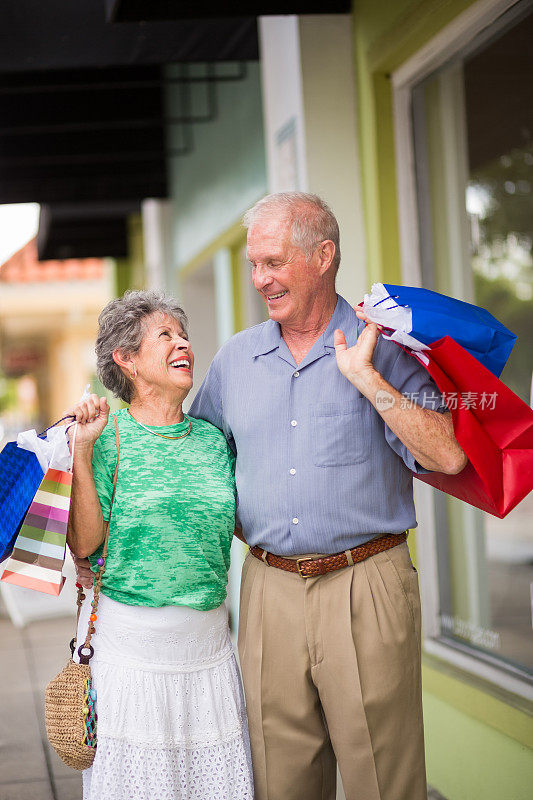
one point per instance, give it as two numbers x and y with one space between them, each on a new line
435 315
20 476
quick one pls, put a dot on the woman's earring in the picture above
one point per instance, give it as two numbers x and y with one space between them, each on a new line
133 374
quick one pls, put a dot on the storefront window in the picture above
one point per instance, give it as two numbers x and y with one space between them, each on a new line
473 127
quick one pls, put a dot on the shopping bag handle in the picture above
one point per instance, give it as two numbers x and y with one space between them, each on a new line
390 297
54 424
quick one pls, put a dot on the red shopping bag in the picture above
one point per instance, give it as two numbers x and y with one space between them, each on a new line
491 423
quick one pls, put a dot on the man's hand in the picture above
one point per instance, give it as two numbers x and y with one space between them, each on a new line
428 435
84 573
355 362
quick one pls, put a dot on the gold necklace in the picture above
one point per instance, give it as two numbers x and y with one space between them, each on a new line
162 435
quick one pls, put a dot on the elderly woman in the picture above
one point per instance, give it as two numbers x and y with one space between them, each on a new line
171 718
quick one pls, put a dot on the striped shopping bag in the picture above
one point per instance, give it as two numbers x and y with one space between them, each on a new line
39 553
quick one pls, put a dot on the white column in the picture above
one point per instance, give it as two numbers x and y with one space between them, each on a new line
224 295
309 109
157 251
225 329
283 112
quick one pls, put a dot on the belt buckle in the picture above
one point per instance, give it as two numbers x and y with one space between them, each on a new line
298 562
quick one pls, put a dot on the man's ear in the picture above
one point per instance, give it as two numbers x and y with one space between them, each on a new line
326 253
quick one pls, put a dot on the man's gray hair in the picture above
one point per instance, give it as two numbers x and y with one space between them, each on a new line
311 219
121 327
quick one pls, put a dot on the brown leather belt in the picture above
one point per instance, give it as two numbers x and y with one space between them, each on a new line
312 567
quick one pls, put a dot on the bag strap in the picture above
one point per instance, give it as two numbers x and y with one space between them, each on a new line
54 424
85 657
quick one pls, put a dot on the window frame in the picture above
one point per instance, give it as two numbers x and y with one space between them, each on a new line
469 31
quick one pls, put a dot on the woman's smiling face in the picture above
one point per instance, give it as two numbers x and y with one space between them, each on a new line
164 360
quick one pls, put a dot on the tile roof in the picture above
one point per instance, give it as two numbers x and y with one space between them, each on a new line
24 267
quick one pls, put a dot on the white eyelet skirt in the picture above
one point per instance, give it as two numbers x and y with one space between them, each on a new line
171 716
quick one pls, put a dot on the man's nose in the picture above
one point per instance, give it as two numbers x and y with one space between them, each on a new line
261 278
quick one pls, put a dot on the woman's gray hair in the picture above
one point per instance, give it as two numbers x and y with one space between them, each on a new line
121 327
311 219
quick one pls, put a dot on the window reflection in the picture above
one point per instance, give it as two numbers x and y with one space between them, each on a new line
473 123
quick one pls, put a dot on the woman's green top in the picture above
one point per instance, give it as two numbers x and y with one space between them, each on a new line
173 515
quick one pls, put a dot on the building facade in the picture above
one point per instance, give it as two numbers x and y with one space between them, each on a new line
413 120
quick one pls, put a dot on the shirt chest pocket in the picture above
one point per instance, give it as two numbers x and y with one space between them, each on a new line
340 435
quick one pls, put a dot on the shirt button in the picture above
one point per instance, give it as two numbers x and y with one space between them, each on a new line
292 471
296 374
295 520
294 423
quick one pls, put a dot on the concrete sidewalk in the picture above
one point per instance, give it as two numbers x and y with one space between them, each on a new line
31 656
29 768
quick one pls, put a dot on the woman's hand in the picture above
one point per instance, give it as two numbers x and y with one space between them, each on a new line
84 573
91 415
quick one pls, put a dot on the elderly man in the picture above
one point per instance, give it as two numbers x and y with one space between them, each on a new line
312 402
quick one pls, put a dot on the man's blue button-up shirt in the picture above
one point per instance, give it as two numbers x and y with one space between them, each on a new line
317 469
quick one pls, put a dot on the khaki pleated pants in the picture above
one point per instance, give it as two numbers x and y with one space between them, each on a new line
331 669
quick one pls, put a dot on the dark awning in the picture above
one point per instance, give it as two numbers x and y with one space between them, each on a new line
79 136
135 10
82 113
90 230
55 34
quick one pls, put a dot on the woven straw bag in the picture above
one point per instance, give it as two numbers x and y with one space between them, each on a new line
69 699
65 701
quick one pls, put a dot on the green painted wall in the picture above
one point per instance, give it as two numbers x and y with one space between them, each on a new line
467 760
386 33
476 746
226 172
130 271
